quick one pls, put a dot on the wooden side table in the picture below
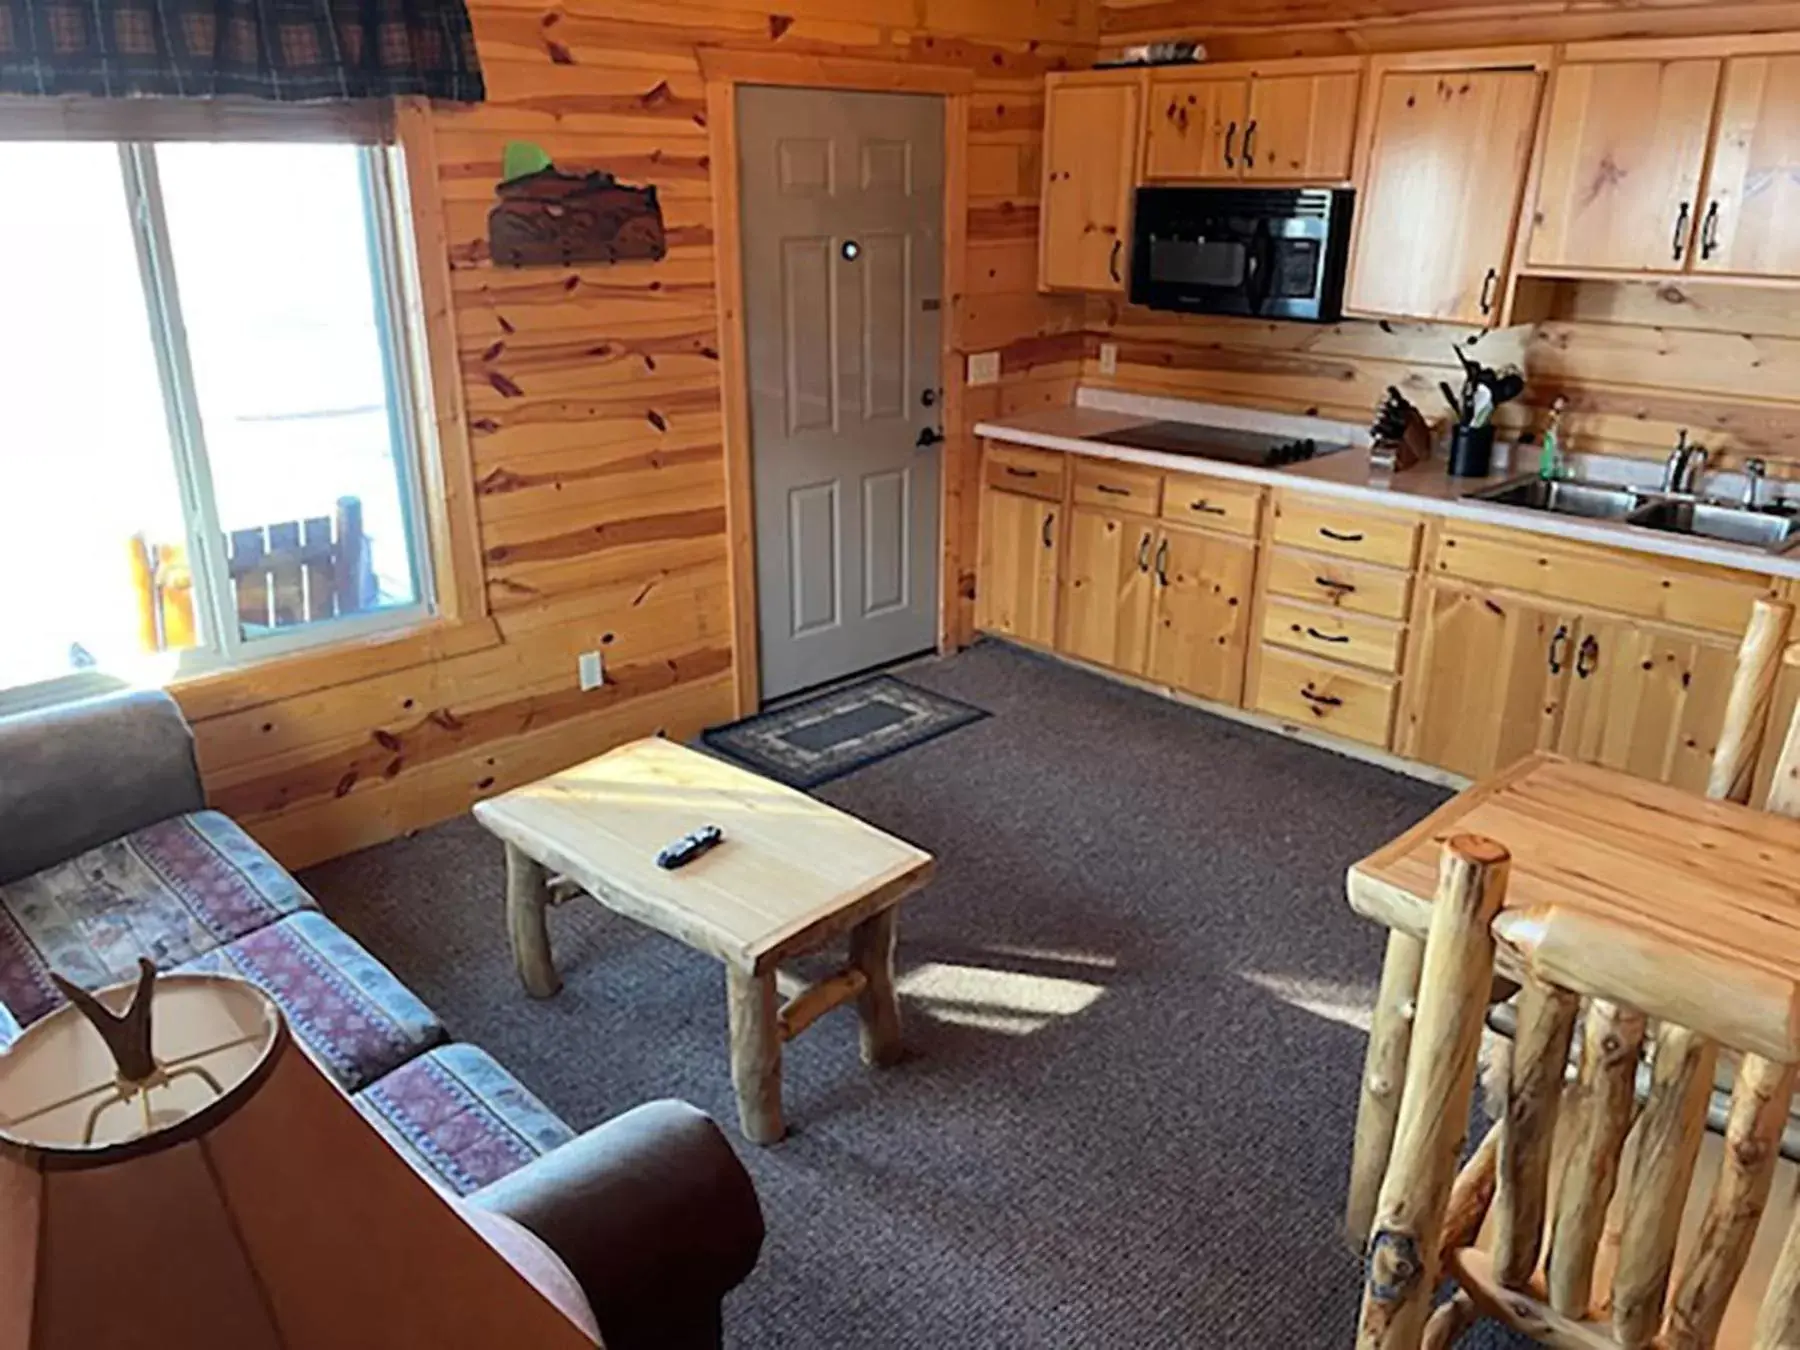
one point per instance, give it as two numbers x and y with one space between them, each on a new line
792 876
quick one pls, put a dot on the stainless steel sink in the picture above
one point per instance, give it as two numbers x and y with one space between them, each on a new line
1710 520
1565 497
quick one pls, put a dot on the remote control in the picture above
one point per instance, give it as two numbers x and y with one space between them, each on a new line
684 850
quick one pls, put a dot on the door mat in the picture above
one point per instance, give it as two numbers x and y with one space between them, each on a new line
823 738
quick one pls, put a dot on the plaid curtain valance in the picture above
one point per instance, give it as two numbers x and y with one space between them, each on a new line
290 51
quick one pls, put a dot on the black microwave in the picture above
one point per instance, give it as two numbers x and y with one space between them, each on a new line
1272 253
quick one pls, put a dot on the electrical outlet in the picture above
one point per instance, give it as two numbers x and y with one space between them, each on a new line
984 368
592 670
1109 358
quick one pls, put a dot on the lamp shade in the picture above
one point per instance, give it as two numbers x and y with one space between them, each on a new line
240 1202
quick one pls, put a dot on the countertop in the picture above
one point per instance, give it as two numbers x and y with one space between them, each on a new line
1425 488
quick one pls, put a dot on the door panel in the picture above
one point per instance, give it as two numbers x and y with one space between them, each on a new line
1621 180
1301 127
1090 169
842 244
1016 579
1438 213
1197 128
1106 603
1489 682
1200 626
1751 221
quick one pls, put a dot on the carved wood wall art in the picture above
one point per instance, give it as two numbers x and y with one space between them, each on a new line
548 218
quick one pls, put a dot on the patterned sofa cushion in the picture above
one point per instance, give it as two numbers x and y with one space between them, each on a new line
461 1119
170 891
347 1010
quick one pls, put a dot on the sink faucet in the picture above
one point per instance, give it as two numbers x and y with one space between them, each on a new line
1754 469
1681 472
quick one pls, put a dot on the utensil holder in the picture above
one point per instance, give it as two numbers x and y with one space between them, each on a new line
1471 451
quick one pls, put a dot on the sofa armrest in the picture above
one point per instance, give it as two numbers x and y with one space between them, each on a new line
75 776
654 1215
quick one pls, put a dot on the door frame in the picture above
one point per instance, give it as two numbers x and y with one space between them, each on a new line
724 70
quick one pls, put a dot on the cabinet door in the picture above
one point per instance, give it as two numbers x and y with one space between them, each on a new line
1440 205
1200 625
1751 221
1106 599
1090 168
1197 129
1015 586
1620 185
1489 682
1301 127
1647 701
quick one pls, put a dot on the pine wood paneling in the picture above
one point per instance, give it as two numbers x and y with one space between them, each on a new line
594 416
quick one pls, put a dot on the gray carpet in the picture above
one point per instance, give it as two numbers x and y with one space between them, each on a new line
1146 1148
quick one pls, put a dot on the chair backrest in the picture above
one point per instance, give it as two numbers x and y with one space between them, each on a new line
300 571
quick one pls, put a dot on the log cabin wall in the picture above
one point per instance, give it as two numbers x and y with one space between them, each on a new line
1637 361
593 401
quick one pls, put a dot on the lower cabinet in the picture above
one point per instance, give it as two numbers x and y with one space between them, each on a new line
1107 589
1015 591
1324 696
1200 625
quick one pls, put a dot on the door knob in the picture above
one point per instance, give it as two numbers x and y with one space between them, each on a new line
929 437
929 398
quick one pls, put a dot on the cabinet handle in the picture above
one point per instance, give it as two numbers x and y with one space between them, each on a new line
1336 587
1112 262
1112 491
1321 700
1681 225
1341 538
1049 527
1249 144
1230 136
1487 291
1709 231
1560 636
1587 660
1021 473
1144 555
1317 636
1162 563
1206 508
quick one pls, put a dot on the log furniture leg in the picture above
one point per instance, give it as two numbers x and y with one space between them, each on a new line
877 1005
527 897
755 1053
1384 1068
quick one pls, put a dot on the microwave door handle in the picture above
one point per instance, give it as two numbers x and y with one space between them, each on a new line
1259 267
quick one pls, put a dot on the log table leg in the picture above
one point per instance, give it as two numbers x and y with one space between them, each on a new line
872 953
527 897
755 1053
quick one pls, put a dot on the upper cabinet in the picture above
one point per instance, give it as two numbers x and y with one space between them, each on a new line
1295 122
1445 166
1623 160
1091 130
1750 223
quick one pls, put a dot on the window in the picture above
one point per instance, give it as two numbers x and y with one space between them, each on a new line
209 449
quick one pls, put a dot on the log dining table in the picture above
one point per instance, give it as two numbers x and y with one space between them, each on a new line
1625 864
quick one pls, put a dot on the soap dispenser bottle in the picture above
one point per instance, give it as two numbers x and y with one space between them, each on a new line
1551 461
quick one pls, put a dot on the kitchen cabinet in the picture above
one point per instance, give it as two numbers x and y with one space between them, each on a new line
1646 700
1750 224
1108 589
1489 679
1200 620
1625 147
1016 581
1196 127
1438 209
1296 127
1091 129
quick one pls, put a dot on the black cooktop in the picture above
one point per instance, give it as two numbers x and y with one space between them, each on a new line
1236 447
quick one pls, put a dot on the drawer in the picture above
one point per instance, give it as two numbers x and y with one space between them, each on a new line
1325 697
1212 503
1358 588
1117 487
1345 531
1355 638
1019 468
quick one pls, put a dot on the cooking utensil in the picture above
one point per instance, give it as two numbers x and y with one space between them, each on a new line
1483 411
1456 408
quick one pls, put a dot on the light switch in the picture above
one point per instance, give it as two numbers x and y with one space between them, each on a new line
1109 358
592 671
984 368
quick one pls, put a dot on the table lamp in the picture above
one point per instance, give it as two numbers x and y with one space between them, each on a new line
174 1172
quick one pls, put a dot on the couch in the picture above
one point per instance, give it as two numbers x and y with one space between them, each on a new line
108 853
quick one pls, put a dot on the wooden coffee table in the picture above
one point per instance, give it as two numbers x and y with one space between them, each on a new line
792 875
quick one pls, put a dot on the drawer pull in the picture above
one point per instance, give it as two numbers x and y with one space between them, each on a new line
1587 660
1112 491
1049 526
1144 554
1338 587
1321 700
1560 636
1021 473
1206 508
1341 538
1162 563
1317 636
